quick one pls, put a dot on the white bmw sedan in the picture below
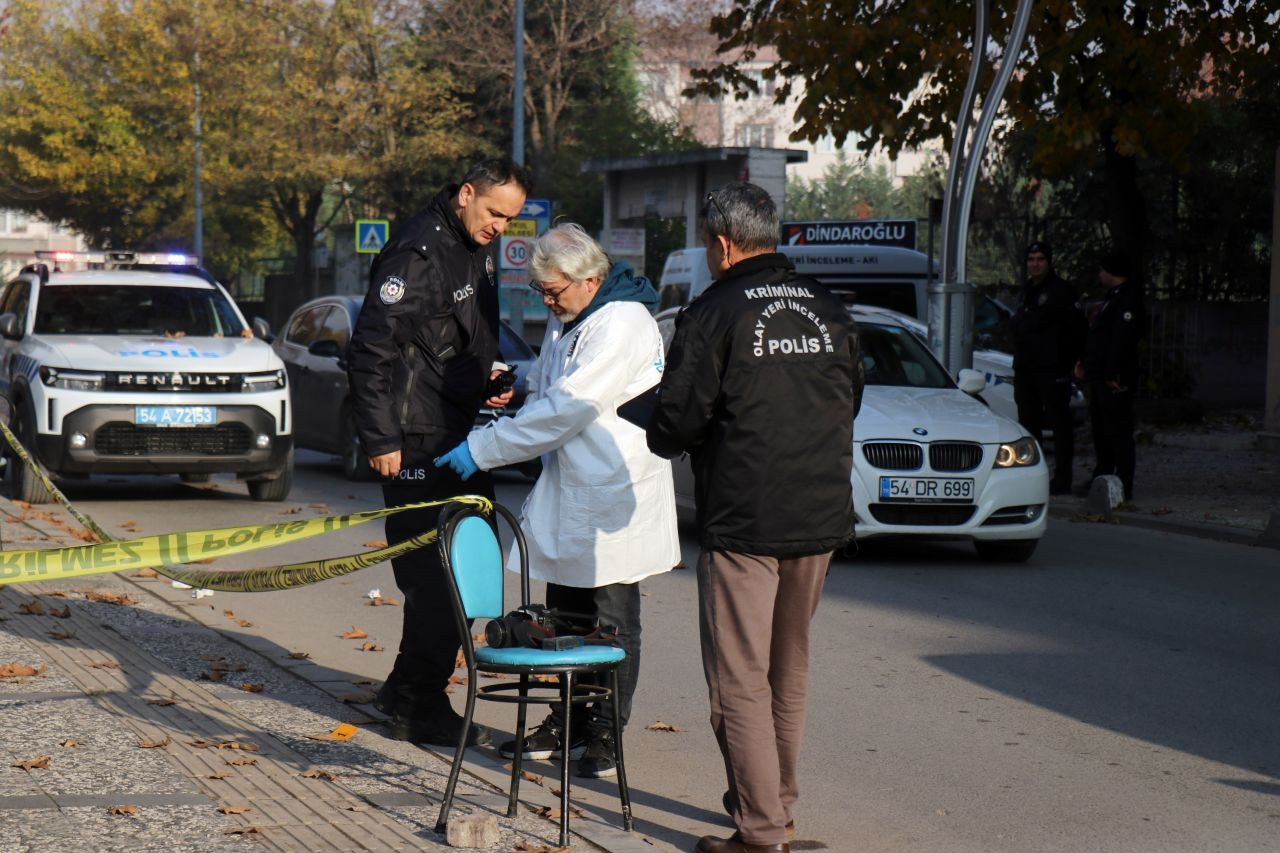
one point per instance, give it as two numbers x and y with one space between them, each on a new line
929 458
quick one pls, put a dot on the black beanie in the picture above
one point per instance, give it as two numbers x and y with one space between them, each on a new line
1116 263
1042 247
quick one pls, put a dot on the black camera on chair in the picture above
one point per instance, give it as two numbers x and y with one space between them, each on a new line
537 626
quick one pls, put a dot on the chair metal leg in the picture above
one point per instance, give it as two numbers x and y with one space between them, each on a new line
443 821
514 799
624 793
566 693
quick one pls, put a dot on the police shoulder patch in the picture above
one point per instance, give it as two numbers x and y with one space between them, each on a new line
488 267
392 290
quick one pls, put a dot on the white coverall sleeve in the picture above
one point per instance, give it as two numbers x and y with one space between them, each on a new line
603 364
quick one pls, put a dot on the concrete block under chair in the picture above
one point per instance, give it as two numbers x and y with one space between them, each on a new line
473 830
1105 494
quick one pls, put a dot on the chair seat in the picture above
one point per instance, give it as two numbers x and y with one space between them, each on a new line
524 656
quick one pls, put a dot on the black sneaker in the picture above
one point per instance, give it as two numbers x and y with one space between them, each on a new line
600 761
543 742
440 729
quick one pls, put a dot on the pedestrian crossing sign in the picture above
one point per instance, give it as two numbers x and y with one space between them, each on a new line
371 235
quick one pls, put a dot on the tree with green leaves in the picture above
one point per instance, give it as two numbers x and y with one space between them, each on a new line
1101 84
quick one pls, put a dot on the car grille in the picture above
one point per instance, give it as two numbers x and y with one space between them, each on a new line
922 514
893 456
124 439
954 456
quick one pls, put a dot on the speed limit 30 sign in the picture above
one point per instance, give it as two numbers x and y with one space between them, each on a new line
514 252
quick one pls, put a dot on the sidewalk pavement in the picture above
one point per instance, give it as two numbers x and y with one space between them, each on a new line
131 724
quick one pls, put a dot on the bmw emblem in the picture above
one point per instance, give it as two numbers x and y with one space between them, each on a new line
920 431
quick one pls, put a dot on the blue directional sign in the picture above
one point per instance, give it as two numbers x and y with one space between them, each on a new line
371 235
538 209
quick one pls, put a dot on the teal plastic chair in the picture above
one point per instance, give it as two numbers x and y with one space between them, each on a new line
472 556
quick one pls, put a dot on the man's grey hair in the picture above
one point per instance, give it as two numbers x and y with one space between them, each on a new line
568 249
743 213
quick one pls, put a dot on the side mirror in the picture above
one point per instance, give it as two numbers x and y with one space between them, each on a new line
9 326
971 381
325 349
261 329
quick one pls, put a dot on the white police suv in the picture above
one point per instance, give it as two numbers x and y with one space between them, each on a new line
133 363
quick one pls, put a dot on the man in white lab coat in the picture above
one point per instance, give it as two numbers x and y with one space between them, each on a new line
602 515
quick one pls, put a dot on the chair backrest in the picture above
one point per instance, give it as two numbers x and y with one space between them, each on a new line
476 559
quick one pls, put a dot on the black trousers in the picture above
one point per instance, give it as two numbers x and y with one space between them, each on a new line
1111 415
1045 401
429 641
616 604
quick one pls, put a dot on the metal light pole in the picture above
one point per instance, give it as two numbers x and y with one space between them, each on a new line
198 241
515 298
951 298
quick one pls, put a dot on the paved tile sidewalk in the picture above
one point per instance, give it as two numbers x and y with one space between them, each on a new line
137 705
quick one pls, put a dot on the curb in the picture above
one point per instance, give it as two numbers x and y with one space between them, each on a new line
1215 532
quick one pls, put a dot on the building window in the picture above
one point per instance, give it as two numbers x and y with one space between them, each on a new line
765 85
18 222
755 135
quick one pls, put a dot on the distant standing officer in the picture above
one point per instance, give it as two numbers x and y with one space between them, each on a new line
421 355
762 383
1048 333
1110 367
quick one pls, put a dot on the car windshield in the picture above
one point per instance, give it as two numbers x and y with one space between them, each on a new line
123 309
892 355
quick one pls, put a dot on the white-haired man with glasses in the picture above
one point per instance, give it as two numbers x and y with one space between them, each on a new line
602 515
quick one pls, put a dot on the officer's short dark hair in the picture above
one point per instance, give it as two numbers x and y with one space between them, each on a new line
495 172
744 214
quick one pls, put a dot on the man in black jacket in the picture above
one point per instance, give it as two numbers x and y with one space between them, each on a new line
762 382
1048 335
1110 367
421 355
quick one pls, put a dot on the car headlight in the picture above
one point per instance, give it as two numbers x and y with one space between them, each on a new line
271 380
1018 454
71 380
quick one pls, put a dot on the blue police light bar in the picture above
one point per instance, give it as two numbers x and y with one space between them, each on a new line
165 259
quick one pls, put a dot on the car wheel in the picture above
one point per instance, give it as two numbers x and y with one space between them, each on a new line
195 478
1007 550
26 486
355 464
276 489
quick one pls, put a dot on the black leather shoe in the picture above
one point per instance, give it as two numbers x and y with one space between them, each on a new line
440 729
711 844
730 804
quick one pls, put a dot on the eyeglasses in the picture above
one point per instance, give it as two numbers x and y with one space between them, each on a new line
553 295
711 200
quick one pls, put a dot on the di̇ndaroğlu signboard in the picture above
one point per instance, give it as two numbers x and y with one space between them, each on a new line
865 232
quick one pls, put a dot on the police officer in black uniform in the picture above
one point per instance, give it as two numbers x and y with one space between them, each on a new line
1110 367
419 361
1048 335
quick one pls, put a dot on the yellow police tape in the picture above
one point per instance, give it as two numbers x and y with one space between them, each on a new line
159 551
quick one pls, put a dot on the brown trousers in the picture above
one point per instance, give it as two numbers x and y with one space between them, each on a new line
754 615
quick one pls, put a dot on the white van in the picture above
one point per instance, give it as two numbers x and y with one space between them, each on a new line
883 276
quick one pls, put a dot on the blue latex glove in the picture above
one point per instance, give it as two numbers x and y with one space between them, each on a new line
459 459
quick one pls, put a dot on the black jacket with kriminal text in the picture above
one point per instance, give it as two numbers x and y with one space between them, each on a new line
1048 329
427 335
762 382
1111 350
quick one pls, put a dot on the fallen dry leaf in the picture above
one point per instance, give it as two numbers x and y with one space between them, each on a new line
154 744
219 775
376 543
61 635
363 698
70 742
161 702
248 687
212 675
55 594
680 565
145 573
343 731
382 602
40 762
241 762
370 647
212 657
109 597
551 813
85 535
123 810
242 830
234 809
19 670
355 634
457 679
299 655
230 614
31 608
105 664
244 623
532 777
659 726
293 510
221 666
64 613
545 678
129 525
316 773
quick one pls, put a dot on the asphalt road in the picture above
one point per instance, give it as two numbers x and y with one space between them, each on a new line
1118 692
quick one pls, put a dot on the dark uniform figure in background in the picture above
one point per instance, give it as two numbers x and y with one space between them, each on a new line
1048 335
420 359
762 382
1110 367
